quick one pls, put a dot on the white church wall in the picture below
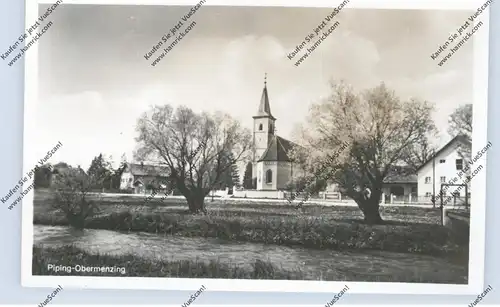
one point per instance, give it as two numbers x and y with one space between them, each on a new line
220 193
284 174
259 194
261 139
259 172
273 167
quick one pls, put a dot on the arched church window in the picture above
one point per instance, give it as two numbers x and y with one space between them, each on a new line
269 176
260 127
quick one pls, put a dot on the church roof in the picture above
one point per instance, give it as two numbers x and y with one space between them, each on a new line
264 106
278 150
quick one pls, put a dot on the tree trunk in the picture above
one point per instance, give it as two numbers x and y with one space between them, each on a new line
191 204
196 202
370 208
76 221
372 213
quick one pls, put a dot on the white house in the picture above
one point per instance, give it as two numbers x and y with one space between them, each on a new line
447 166
271 165
401 183
141 178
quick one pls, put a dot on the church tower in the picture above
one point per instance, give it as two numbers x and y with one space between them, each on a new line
263 128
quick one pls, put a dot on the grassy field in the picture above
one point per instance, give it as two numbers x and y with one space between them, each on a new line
407 229
410 230
461 212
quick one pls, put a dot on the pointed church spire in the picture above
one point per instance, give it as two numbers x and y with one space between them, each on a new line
264 107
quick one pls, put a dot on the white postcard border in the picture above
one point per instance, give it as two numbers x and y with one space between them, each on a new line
477 229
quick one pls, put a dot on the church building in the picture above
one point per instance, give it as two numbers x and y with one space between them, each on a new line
272 166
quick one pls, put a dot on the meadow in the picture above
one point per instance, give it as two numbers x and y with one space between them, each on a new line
406 231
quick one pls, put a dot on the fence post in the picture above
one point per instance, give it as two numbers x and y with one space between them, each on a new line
443 214
409 198
392 198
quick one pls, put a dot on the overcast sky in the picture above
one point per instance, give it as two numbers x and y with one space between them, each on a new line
94 81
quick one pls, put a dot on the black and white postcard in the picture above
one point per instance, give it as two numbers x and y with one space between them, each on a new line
294 146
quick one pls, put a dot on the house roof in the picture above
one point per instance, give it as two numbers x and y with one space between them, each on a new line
412 178
60 165
401 174
264 106
459 138
147 170
278 150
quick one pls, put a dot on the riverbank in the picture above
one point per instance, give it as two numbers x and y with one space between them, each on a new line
174 256
139 267
307 231
406 230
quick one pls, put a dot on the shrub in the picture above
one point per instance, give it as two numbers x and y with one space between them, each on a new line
71 187
302 230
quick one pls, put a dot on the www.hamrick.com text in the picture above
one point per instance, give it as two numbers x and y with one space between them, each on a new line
30 175
178 31
30 32
459 37
317 36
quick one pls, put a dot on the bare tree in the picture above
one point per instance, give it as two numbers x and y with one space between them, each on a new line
193 146
417 154
460 121
460 124
72 187
379 129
